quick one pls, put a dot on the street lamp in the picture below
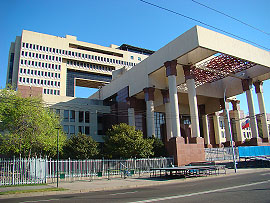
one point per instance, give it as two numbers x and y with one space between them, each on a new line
229 123
57 163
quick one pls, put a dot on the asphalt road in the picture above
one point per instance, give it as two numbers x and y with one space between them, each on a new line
252 187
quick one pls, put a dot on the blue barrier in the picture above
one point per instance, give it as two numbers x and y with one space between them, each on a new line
253 151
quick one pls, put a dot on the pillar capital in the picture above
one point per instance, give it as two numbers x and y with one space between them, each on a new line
236 105
166 96
131 101
187 72
171 67
149 93
247 84
258 86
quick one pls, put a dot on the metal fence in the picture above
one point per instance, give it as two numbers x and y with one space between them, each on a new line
219 154
38 170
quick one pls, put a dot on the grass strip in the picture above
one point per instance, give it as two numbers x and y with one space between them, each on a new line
30 191
22 185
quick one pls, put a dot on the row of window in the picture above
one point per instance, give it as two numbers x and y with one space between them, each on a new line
38 73
41 56
39 82
76 54
51 91
69 116
70 129
40 65
90 66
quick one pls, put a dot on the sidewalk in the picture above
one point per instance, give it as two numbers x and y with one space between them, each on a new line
113 184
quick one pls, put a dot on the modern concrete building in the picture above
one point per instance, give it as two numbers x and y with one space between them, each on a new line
180 93
51 66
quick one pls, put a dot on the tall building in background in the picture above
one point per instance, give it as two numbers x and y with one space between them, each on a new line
51 66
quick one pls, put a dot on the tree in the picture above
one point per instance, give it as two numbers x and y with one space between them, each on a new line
80 147
158 148
123 141
29 127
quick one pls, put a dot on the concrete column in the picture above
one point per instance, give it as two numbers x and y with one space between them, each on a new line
166 102
150 117
259 92
206 130
227 122
238 125
171 74
192 98
247 86
131 117
195 127
217 129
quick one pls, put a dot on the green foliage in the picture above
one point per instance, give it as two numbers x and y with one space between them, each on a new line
158 148
29 128
80 147
123 141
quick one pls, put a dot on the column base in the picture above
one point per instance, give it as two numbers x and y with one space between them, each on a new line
186 153
208 146
196 140
228 144
238 143
256 141
218 145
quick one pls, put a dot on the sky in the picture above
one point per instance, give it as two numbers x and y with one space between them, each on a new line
133 22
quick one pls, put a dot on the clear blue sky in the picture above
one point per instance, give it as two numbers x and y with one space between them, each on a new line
132 22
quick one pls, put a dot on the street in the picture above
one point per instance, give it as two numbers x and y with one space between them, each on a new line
252 187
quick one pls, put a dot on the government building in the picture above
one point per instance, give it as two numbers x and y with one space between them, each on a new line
180 93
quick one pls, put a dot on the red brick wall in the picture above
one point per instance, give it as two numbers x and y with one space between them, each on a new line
28 91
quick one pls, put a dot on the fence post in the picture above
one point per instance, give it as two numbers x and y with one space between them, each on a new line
13 170
45 163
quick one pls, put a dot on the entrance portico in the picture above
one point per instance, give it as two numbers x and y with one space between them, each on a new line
200 67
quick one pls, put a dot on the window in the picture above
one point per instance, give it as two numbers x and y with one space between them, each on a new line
81 129
132 57
81 116
66 115
87 117
44 91
72 129
87 130
72 116
66 129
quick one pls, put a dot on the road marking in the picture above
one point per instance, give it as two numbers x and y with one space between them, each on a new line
199 193
43 200
264 174
123 193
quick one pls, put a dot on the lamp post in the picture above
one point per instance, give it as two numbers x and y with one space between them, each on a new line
57 163
229 123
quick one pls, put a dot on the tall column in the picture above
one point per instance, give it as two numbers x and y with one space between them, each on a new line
195 127
166 102
259 92
247 87
217 129
205 126
227 123
131 111
150 117
171 73
238 126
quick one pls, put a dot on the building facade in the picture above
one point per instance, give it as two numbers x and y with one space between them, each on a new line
51 67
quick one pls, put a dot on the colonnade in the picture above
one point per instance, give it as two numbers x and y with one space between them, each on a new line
170 100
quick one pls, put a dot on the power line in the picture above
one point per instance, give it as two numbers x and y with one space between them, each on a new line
203 23
231 17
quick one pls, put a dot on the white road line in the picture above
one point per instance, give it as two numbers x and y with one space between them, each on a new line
264 174
123 193
199 193
43 200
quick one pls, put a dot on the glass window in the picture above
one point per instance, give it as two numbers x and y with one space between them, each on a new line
81 129
81 116
72 116
66 130
72 129
87 130
66 113
87 117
